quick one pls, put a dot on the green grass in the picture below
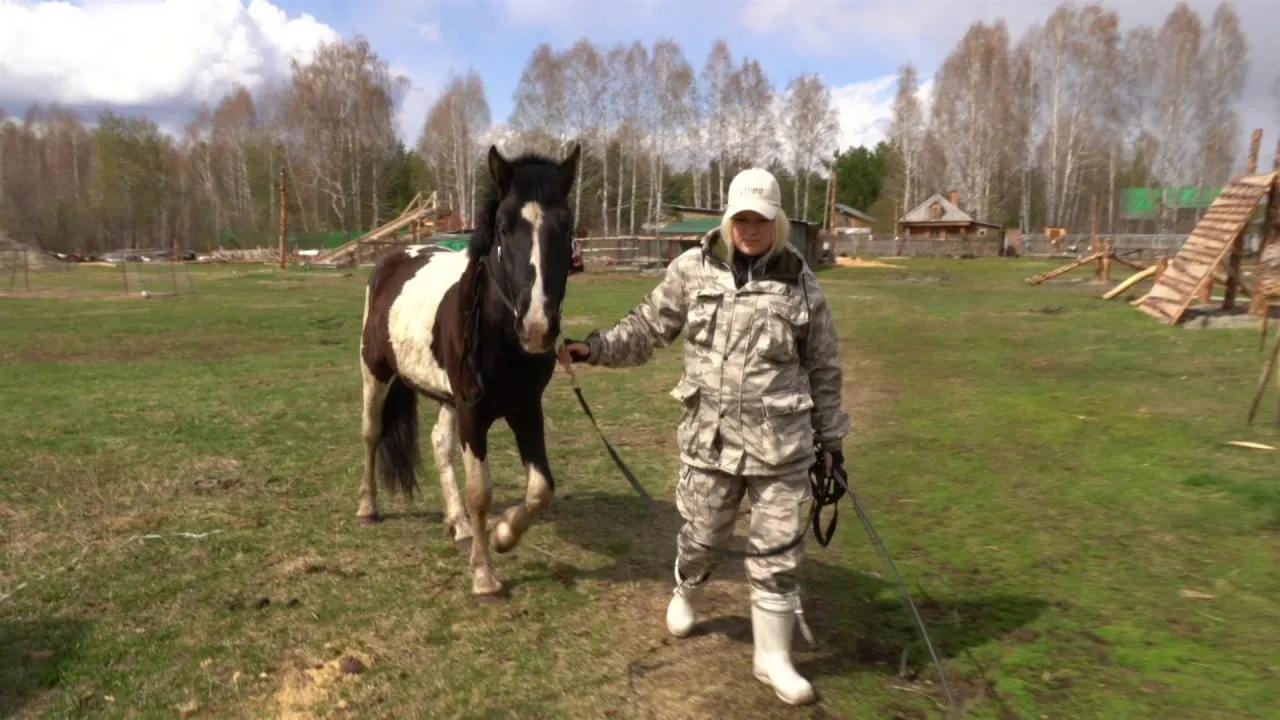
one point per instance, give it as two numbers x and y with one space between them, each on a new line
1050 483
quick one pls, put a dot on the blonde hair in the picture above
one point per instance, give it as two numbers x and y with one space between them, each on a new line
781 235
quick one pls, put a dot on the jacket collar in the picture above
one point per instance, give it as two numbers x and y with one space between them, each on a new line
784 264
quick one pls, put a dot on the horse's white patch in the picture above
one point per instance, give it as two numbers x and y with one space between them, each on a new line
444 443
412 320
515 520
415 250
535 320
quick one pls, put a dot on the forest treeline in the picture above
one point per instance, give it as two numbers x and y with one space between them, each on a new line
1026 131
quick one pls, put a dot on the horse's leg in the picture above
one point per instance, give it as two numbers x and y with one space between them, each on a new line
375 395
539 485
473 431
444 441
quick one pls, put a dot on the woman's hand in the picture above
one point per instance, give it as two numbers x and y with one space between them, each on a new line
574 352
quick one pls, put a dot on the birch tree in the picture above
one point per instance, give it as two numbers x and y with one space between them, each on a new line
906 134
1225 67
812 125
971 114
715 80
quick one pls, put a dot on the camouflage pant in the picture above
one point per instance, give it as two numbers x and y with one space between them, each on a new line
709 501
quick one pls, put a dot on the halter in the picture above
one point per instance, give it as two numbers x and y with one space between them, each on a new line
470 340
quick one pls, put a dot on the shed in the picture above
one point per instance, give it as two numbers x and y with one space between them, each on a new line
848 219
938 217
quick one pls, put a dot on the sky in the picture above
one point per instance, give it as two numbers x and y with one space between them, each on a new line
165 57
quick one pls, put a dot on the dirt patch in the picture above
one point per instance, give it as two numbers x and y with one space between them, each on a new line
857 262
1213 317
308 692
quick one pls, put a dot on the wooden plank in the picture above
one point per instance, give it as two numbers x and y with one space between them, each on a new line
1129 282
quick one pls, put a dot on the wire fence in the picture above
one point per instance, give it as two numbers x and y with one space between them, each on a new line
24 271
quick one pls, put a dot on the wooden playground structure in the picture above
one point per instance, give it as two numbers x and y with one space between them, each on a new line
1213 252
419 220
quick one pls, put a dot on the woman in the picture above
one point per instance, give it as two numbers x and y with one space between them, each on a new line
761 387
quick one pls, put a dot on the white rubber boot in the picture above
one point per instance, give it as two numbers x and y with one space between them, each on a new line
773 618
682 611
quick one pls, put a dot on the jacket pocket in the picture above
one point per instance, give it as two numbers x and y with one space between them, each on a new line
788 427
783 325
690 396
701 322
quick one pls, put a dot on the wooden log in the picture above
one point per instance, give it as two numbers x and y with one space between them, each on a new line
1037 279
1129 282
1267 370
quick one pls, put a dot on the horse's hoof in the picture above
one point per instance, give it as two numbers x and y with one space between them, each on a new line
492 598
502 540
369 519
463 546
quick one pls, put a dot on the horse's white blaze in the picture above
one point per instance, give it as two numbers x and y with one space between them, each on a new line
411 320
535 320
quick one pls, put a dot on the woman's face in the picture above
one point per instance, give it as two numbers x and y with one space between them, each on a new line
752 233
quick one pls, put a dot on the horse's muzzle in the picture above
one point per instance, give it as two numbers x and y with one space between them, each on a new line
536 338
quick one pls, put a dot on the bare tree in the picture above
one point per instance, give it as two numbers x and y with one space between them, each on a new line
671 83
1177 78
716 77
971 114
451 140
1224 66
907 132
811 125
540 115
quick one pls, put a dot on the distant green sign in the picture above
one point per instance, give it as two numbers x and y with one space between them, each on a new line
1147 203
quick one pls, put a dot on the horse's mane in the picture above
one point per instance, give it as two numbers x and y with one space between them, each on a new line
533 176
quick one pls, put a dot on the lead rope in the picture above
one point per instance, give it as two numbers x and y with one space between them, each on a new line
827 490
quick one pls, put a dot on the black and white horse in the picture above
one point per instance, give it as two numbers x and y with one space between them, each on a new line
473 330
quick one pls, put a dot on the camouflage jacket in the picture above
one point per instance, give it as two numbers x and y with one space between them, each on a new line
762 372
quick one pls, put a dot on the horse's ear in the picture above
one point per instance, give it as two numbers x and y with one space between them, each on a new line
569 168
499 170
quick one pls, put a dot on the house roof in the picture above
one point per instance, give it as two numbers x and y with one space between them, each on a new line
951 215
841 207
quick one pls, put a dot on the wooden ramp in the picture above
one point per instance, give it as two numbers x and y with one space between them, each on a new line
418 211
1206 247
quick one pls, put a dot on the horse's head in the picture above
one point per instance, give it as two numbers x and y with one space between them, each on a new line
532 227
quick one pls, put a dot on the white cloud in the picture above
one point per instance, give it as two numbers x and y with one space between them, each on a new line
866 109
429 31
147 53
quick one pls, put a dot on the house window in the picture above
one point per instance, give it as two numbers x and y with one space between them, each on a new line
935 211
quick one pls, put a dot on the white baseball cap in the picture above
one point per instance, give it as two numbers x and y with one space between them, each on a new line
754 189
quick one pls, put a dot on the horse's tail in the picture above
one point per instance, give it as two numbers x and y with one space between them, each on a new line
398 443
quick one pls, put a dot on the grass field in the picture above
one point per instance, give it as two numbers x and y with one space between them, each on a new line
1048 469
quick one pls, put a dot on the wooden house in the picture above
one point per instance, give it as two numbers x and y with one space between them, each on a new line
942 218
